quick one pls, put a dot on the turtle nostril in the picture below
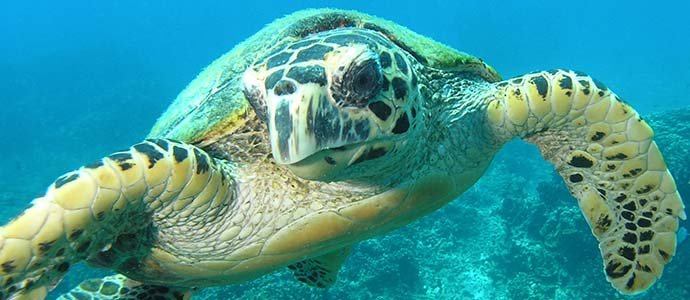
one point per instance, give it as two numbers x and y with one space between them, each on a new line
284 87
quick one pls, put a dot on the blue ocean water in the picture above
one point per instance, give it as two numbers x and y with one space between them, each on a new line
81 79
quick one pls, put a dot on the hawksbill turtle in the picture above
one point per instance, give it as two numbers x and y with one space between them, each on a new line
326 128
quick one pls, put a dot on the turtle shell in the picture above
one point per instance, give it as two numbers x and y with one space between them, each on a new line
213 104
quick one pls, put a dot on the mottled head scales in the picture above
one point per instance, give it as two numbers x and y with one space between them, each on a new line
213 105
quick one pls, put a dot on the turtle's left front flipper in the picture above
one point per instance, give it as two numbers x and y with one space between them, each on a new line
119 287
606 154
87 211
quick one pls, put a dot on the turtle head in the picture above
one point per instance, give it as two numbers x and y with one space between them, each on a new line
334 100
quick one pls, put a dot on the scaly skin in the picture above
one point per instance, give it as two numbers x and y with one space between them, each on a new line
352 163
118 287
86 211
251 231
608 158
229 230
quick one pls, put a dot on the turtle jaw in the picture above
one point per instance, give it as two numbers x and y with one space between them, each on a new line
325 164
330 164
317 139
304 121
308 121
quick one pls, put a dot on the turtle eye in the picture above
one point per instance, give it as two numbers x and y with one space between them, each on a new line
361 83
367 81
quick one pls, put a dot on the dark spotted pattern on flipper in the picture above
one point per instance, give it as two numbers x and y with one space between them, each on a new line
118 287
321 271
152 154
65 179
86 210
611 164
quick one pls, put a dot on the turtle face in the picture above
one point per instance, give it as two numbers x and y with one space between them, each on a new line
334 99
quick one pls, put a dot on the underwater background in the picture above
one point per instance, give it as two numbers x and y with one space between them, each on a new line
81 79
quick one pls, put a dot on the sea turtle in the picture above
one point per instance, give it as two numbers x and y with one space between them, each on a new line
326 128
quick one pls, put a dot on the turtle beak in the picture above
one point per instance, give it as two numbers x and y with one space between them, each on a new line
313 137
288 129
303 120
307 122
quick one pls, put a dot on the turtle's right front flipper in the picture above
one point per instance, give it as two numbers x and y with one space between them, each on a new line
85 210
607 156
